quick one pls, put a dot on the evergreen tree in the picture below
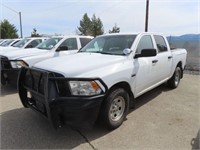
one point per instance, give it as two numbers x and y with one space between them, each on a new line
93 26
115 29
85 25
34 33
97 26
7 30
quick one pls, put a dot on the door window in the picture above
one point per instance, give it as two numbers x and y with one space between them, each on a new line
145 43
34 43
160 42
70 43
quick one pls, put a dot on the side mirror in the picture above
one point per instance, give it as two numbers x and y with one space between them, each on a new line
147 53
127 51
62 48
50 46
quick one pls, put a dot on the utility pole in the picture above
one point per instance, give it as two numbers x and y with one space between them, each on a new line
147 16
20 19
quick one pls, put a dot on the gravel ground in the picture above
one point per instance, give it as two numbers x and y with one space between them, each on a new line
192 72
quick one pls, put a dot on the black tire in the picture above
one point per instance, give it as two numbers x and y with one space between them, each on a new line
115 108
174 81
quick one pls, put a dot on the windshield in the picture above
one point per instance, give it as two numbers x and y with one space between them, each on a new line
113 44
3 42
49 44
21 43
7 43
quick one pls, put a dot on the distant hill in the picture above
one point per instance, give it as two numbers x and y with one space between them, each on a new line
185 37
190 42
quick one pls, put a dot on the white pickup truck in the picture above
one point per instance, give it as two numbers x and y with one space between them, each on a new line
12 61
102 80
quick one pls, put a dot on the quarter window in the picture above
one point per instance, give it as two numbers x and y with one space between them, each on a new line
145 43
84 41
160 42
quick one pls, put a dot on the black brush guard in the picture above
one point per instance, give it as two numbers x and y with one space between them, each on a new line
8 74
48 94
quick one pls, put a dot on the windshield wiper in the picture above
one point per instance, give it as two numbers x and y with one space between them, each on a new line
107 53
101 52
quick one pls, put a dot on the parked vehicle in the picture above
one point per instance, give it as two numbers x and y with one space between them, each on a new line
23 44
10 42
2 41
57 46
102 80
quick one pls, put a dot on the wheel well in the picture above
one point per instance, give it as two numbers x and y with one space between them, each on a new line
125 86
180 65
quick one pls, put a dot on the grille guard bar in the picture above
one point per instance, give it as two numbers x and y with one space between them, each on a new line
23 90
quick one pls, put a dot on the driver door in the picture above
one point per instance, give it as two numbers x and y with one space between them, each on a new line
145 67
69 46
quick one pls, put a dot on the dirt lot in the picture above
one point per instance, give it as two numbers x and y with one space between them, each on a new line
163 119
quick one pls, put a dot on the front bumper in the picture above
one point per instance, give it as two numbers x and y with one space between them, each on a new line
41 91
9 75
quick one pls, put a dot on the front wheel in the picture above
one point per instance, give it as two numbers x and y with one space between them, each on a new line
115 108
174 81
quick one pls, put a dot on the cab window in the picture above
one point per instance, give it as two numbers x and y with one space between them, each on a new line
160 43
70 44
145 43
84 41
34 43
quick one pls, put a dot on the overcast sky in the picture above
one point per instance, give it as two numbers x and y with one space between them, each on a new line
171 17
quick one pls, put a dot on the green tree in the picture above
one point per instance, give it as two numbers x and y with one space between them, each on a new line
8 30
34 33
97 26
93 26
115 29
85 25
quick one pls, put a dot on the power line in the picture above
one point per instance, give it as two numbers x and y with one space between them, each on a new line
9 8
20 19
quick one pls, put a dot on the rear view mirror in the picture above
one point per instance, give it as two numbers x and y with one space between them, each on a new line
147 53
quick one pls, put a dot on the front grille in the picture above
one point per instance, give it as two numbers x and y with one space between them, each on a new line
5 63
63 88
35 80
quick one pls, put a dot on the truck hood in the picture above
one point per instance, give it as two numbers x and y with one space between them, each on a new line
80 63
17 54
4 50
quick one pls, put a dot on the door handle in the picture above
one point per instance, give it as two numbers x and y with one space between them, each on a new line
169 57
154 61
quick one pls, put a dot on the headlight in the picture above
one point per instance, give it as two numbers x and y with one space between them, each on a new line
18 64
84 88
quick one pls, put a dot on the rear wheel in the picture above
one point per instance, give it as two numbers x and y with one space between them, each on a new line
115 108
174 81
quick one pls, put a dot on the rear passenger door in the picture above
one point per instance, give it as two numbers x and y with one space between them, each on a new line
165 58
